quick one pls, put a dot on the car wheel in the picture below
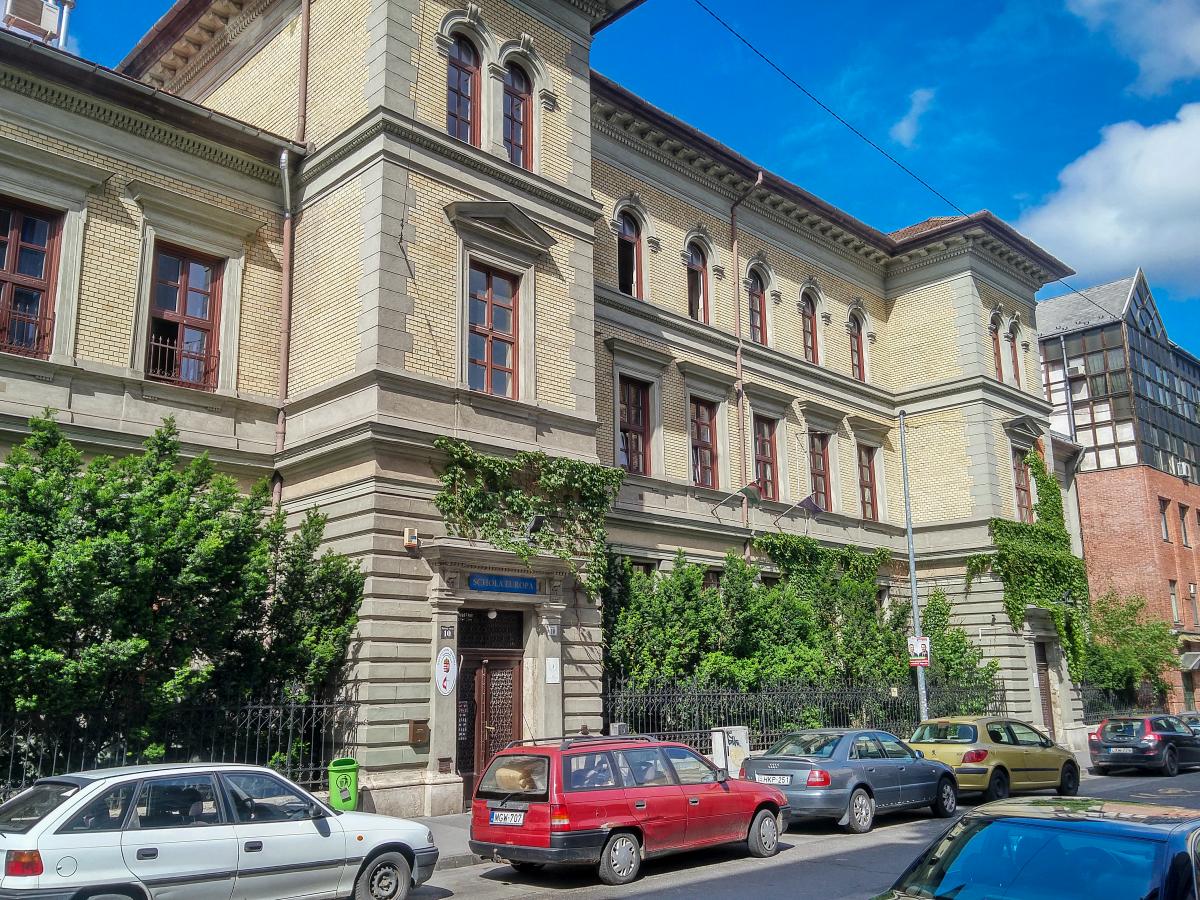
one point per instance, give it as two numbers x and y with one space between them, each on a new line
621 859
763 838
527 867
862 812
998 787
1068 784
946 803
386 877
1170 766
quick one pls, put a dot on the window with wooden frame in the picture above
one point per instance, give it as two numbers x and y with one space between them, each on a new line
766 467
518 116
29 239
1024 493
858 361
758 307
185 307
997 357
808 316
462 91
493 324
629 255
818 467
867 487
1013 348
1164 507
1183 526
633 451
703 418
697 283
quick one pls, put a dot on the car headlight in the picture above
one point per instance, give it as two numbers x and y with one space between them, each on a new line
429 837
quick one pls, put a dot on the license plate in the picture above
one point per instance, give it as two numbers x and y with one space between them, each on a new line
507 818
773 779
1120 750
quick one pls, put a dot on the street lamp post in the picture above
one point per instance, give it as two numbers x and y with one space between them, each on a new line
922 699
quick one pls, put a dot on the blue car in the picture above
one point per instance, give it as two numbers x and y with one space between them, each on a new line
1059 848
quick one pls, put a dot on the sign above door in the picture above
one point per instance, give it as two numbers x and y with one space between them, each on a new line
501 584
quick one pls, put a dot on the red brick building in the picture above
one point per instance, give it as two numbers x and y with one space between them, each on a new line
1128 395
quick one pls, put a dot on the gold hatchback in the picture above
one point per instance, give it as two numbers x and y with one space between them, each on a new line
997 756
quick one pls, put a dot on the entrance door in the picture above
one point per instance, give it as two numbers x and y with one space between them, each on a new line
489 713
1043 676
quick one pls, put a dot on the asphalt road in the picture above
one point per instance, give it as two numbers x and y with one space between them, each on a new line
815 862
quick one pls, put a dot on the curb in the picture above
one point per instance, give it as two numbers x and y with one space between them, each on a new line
457 861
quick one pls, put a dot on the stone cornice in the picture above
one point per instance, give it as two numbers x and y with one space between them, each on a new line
135 124
210 45
1026 273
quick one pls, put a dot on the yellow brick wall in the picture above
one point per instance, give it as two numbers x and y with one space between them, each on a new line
665 277
337 67
263 91
925 337
436 287
506 23
111 256
1031 371
938 467
325 306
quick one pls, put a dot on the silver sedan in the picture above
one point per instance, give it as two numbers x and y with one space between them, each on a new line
850 775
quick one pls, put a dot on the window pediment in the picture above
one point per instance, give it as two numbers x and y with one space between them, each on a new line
499 221
634 356
184 216
68 181
820 415
1023 432
868 429
703 377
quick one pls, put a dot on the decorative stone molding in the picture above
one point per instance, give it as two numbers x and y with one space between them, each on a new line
625 353
1023 432
217 42
470 22
499 221
776 297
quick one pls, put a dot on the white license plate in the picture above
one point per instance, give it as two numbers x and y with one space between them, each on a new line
773 779
1120 749
507 818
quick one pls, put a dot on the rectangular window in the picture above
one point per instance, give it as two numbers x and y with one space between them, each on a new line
1164 507
1183 526
765 467
703 416
492 341
818 465
28 263
184 309
1021 485
634 445
866 483
1174 602
1195 607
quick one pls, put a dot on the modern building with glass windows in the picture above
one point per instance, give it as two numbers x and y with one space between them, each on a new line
1127 395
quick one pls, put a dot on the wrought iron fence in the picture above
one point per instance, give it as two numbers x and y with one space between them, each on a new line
687 711
296 739
1100 704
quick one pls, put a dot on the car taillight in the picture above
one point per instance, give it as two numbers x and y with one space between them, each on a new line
974 756
818 778
1094 735
742 771
559 820
22 864
1151 738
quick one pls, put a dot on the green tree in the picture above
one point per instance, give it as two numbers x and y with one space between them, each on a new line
952 655
1126 646
128 586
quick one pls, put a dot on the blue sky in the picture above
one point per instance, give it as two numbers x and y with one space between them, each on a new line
1076 120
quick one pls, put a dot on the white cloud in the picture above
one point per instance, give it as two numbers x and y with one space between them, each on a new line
1161 36
73 45
905 131
1132 200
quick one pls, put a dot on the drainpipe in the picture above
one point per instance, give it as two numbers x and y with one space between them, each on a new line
737 327
289 236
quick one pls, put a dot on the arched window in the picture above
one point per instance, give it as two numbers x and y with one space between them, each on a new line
629 255
462 91
1016 355
697 283
858 360
518 121
994 328
808 315
758 307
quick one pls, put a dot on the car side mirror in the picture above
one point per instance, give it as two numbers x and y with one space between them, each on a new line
315 811
1047 743
722 776
919 754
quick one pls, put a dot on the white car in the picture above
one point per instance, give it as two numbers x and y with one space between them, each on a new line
200 832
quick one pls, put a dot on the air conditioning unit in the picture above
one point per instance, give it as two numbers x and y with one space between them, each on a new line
34 17
1075 371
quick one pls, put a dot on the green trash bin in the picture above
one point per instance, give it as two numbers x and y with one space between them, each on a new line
343 783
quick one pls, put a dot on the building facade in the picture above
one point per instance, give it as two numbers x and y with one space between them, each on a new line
468 232
1128 396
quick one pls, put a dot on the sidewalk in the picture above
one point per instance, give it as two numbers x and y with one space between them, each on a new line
450 835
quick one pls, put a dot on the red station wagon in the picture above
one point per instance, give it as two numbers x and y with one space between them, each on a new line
612 802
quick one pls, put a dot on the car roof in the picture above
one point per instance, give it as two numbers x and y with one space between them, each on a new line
93 775
1126 816
966 720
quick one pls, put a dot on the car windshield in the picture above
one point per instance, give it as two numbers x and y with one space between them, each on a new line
1020 859
822 746
523 777
25 810
944 733
1123 728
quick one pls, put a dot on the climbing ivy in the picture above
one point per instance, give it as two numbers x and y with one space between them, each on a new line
493 498
1035 564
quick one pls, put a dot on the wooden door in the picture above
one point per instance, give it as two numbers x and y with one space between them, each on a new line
1043 677
489 713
